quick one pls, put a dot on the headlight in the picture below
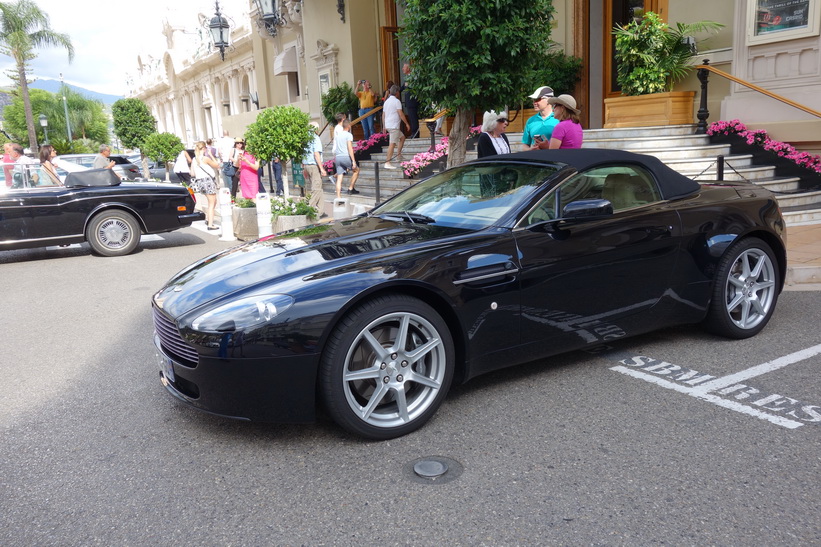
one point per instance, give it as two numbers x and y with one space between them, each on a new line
243 313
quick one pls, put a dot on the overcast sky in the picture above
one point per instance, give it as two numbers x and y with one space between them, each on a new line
107 36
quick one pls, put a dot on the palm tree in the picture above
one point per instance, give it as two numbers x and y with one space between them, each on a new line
23 28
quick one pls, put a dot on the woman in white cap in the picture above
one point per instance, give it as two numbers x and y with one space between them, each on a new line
568 133
493 140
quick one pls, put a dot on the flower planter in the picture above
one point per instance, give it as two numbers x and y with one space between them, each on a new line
784 167
430 169
283 223
672 108
245 223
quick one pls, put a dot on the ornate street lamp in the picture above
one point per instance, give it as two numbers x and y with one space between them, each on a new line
220 31
44 125
269 16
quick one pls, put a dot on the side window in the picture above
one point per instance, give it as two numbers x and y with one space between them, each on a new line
628 186
625 186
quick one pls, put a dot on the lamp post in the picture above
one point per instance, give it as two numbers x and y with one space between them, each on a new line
65 107
219 29
44 125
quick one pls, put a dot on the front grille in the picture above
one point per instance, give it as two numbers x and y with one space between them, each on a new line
171 340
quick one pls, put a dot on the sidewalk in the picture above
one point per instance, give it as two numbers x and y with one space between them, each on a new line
804 256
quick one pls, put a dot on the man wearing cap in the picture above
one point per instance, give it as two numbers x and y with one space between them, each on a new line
539 127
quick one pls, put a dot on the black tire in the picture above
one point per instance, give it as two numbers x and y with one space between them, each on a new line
745 290
379 387
113 233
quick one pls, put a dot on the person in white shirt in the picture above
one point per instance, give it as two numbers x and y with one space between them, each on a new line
392 118
225 151
344 157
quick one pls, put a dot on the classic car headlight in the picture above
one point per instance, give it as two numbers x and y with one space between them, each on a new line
243 313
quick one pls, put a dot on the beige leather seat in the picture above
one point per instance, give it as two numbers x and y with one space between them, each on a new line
619 190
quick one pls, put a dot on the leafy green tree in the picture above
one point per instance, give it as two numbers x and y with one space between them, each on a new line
24 28
280 132
469 55
162 147
87 116
133 122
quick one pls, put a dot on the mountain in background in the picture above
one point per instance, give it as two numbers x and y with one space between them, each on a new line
53 86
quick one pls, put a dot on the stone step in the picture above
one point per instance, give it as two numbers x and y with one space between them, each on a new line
647 143
640 132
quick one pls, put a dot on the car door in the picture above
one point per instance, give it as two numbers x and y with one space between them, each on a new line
593 280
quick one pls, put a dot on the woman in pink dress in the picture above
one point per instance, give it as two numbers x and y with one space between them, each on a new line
248 174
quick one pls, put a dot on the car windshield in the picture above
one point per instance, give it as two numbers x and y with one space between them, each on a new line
469 196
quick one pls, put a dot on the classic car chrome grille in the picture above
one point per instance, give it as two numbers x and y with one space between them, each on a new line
172 341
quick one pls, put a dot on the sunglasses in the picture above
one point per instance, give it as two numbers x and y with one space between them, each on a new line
502 120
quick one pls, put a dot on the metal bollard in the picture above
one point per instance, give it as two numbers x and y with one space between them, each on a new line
264 214
226 218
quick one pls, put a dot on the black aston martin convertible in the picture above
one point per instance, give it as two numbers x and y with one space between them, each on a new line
92 206
496 262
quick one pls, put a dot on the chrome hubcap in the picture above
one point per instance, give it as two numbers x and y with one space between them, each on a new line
114 233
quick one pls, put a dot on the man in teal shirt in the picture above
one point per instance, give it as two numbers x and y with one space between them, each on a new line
539 127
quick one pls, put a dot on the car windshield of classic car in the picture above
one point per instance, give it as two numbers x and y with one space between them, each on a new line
472 196
27 175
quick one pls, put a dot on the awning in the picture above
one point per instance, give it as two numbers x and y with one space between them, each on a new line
285 62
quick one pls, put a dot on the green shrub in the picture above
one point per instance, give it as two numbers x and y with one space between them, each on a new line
339 99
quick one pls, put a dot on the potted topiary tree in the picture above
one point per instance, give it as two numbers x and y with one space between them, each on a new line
280 132
651 57
162 148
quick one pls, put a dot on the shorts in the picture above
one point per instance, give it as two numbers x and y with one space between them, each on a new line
205 185
394 135
343 164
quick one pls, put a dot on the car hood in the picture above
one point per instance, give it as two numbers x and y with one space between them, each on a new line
287 259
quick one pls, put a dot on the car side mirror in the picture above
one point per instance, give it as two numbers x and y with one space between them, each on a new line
587 209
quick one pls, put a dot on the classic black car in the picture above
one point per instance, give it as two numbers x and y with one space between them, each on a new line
496 262
92 206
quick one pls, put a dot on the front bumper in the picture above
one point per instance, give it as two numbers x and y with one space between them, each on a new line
275 389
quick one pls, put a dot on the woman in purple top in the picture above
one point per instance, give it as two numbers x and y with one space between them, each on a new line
568 134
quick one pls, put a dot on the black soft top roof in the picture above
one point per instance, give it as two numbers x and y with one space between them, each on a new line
672 184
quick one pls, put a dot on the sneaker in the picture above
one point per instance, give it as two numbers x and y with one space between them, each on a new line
353 191
389 166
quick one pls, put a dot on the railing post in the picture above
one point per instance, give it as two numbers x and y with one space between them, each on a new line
703 113
376 182
431 125
720 168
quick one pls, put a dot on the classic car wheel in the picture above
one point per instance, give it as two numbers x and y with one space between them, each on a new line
113 233
387 367
746 290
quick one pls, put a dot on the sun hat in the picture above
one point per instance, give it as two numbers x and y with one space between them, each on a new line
239 139
542 92
566 101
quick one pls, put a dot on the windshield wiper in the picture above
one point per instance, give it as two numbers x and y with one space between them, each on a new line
414 218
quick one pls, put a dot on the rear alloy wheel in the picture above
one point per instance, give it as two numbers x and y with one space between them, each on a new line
113 233
746 290
387 367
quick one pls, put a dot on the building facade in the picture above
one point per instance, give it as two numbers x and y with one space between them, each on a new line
318 44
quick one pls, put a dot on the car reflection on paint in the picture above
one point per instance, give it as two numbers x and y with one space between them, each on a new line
496 262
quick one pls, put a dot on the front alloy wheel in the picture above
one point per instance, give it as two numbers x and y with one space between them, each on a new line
387 367
746 290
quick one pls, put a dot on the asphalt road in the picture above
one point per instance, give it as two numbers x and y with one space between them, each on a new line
617 447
